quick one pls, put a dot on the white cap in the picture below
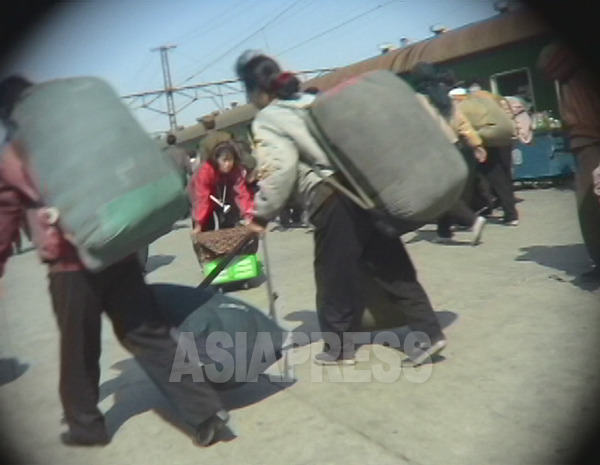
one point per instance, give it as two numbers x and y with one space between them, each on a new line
458 91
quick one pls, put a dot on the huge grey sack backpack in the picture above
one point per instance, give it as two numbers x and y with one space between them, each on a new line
91 160
391 151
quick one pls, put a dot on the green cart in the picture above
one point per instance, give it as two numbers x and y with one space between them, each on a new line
241 268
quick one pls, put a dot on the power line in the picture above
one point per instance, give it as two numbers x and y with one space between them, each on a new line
321 21
336 27
241 42
212 23
284 23
211 51
135 78
225 88
209 84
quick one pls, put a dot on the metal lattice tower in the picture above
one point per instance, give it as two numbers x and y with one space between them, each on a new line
164 59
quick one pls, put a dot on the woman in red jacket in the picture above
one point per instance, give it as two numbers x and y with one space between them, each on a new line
219 194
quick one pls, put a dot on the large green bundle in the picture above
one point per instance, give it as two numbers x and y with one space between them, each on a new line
489 120
91 160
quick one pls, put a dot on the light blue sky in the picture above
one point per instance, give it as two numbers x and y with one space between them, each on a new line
113 39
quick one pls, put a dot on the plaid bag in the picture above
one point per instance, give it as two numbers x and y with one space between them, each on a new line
210 245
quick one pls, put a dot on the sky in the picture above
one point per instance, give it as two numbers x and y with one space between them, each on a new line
117 41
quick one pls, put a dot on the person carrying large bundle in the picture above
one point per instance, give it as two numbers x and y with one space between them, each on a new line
112 190
347 236
89 241
432 86
497 130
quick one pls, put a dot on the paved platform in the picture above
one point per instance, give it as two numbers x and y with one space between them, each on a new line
516 385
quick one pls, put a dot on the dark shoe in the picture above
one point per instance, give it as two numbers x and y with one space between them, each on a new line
207 432
424 352
70 439
486 212
326 358
591 275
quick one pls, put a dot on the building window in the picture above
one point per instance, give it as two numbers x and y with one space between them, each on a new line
515 83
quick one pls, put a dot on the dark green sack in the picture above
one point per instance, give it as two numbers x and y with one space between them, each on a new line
236 342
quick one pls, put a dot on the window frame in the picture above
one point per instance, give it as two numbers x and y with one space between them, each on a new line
494 83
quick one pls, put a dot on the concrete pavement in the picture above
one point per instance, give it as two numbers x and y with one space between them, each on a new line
516 385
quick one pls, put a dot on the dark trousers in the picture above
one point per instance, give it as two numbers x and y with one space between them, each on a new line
483 197
346 245
78 299
461 212
497 170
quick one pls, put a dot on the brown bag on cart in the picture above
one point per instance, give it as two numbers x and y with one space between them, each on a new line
211 245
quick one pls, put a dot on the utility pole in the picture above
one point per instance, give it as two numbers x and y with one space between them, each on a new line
164 59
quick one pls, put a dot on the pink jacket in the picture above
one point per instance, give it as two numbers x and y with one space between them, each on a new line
18 198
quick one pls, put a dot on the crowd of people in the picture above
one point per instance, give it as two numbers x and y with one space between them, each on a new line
254 184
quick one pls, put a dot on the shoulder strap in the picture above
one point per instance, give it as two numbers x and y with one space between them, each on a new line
331 180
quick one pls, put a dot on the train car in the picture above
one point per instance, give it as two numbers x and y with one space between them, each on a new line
501 53
235 120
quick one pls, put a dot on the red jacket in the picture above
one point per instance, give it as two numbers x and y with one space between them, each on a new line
209 181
